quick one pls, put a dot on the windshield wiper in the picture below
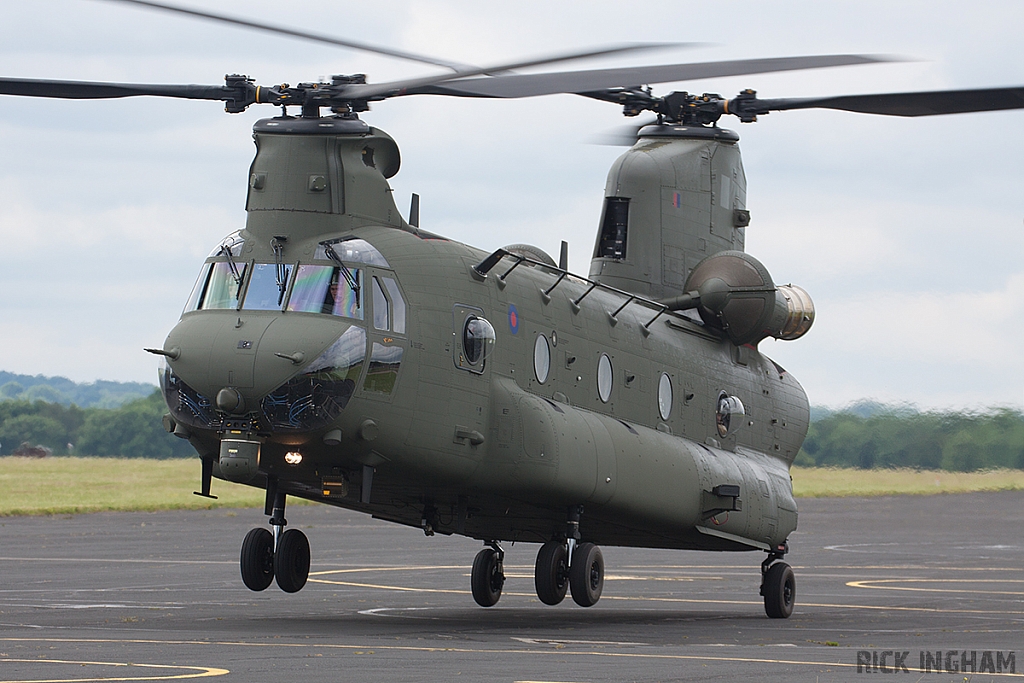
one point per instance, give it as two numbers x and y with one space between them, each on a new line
226 251
352 280
282 271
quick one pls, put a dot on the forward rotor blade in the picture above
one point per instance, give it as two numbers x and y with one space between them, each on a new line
458 68
89 90
932 103
581 82
417 86
295 33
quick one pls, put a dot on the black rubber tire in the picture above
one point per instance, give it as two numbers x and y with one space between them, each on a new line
291 562
779 591
257 560
551 575
586 575
486 579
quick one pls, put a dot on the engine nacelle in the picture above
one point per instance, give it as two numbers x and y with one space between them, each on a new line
736 297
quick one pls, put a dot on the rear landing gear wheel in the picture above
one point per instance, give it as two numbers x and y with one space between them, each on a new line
551 575
488 577
586 575
291 561
257 560
779 589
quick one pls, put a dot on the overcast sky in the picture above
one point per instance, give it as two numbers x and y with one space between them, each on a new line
908 233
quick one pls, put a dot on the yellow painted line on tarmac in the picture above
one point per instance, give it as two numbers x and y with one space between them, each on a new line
696 601
872 584
196 671
356 570
374 649
354 584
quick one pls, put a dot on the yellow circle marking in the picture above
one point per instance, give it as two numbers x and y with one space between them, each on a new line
698 601
196 671
873 583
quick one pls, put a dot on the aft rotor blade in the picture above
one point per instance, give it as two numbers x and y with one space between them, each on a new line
295 33
89 90
581 82
623 136
932 103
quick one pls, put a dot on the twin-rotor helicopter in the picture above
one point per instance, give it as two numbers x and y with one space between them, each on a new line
334 351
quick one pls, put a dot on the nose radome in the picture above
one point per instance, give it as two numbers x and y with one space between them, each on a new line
230 401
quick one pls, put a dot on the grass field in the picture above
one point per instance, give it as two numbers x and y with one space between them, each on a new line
827 482
44 486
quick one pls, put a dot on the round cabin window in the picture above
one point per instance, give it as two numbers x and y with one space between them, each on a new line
665 396
604 378
541 358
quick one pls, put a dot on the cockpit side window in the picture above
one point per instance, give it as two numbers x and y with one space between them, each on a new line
397 305
223 286
382 374
380 306
327 289
388 305
199 289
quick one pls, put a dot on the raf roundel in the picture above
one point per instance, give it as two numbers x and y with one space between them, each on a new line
513 319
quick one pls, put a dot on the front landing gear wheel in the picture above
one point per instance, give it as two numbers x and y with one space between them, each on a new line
586 575
779 591
257 559
291 561
487 578
551 575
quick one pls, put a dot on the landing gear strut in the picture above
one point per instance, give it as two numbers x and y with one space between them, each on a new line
283 555
778 584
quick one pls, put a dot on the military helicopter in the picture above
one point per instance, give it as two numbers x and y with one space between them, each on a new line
335 351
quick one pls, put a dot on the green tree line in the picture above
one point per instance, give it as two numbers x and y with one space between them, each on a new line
961 442
133 430
98 394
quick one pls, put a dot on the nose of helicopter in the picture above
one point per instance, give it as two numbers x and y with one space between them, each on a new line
237 359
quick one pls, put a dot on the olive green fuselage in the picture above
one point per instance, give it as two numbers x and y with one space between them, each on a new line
482 448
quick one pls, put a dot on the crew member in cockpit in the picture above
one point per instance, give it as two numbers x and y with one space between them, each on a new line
334 291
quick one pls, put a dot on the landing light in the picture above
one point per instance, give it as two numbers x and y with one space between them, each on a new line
293 457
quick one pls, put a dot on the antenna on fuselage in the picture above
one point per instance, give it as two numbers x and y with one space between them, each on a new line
414 211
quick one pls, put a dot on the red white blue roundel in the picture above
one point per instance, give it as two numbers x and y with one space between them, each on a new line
513 319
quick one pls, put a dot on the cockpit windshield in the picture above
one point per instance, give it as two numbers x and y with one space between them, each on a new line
228 282
325 289
267 287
